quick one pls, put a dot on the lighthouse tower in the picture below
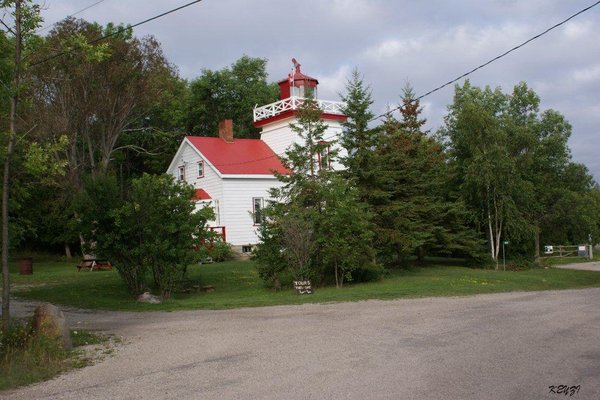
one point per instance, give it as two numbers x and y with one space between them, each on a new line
275 118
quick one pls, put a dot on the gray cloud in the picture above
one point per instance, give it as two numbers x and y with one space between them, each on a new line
390 42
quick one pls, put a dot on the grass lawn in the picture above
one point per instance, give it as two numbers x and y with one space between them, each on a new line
237 284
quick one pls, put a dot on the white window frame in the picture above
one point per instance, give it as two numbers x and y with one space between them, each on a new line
324 151
201 169
255 220
181 173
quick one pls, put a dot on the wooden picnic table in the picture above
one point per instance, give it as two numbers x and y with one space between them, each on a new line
94 264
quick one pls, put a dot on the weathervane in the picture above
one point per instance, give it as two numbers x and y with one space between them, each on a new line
295 70
296 66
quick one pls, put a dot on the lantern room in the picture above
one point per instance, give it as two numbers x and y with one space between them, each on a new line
293 91
297 84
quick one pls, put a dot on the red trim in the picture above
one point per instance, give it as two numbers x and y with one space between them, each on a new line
211 244
293 113
223 233
201 194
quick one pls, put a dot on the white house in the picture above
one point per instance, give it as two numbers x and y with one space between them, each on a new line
234 175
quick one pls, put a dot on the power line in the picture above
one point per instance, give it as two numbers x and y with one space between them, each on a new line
118 31
449 82
492 60
71 15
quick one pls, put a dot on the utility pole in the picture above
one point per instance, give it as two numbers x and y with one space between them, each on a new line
14 101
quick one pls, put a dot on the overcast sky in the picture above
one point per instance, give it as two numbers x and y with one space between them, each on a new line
391 43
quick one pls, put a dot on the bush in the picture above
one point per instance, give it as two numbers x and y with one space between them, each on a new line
216 251
519 264
151 230
221 251
368 273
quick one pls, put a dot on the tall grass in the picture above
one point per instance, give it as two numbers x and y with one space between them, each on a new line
26 358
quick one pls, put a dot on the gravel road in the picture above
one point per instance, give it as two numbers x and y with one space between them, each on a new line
498 346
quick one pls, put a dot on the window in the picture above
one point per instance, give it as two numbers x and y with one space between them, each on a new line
181 174
257 210
323 156
304 91
201 169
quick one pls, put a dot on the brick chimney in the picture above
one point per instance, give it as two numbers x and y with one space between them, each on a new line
226 130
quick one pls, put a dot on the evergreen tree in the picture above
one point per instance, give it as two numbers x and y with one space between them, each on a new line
316 223
413 214
357 138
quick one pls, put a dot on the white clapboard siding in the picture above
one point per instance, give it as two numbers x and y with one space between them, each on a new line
279 136
237 205
211 182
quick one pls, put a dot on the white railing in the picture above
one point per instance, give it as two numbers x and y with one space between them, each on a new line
292 103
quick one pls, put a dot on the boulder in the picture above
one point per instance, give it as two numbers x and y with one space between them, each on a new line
49 321
146 297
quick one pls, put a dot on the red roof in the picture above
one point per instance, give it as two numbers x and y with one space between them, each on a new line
240 157
299 76
200 194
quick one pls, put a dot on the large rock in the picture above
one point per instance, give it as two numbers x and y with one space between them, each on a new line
49 321
146 297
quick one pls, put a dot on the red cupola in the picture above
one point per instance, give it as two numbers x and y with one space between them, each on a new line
297 84
293 92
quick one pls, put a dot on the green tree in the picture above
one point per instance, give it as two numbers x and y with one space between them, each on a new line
415 213
97 90
230 93
487 175
99 93
513 167
357 138
316 224
346 232
26 19
151 231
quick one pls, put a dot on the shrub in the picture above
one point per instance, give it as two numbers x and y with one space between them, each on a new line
16 337
519 264
221 251
151 230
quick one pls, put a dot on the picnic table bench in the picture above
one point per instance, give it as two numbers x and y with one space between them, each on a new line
94 264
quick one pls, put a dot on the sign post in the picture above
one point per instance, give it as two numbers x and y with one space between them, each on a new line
504 254
303 287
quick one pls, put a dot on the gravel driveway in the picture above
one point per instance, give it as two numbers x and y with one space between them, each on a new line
498 346
588 266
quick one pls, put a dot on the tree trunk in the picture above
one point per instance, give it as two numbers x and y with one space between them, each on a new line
68 251
6 177
536 233
421 255
491 236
